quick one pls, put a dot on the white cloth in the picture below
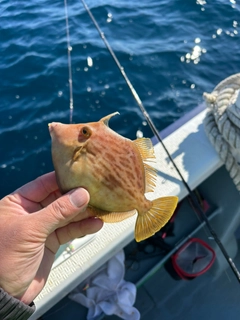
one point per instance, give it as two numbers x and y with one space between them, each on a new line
108 292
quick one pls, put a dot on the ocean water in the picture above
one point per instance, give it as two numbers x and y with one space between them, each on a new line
172 51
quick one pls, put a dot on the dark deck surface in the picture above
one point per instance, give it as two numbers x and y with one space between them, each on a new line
162 297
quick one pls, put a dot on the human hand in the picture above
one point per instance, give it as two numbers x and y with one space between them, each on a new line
34 221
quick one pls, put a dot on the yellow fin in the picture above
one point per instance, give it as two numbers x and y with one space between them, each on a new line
111 217
152 221
150 177
146 150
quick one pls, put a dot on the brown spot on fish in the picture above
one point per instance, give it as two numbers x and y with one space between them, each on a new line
115 183
130 191
130 175
118 174
139 184
92 152
124 162
137 171
118 168
109 157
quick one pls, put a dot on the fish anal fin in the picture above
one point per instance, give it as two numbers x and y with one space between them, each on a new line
111 217
149 223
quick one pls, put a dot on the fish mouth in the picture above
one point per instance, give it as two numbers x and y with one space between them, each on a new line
52 125
56 129
61 133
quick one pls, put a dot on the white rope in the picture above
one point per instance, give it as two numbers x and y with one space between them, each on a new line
222 123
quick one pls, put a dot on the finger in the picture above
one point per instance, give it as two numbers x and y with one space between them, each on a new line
78 229
40 188
50 198
61 211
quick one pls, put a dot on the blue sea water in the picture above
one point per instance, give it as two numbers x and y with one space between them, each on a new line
172 51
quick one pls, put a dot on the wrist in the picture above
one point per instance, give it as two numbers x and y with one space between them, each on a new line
12 308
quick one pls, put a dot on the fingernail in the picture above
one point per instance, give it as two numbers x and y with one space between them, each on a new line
79 198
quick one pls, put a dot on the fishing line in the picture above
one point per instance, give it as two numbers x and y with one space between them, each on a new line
156 133
69 48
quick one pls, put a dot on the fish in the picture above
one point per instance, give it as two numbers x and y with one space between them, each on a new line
115 170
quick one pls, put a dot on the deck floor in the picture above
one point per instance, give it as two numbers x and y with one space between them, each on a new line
162 297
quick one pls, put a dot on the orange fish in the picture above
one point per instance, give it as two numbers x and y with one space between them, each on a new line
115 172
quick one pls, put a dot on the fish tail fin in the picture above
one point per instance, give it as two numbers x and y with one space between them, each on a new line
153 220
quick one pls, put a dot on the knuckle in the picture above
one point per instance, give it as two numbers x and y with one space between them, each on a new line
60 210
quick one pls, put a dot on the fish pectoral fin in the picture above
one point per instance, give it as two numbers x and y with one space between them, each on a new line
111 217
146 150
77 153
150 222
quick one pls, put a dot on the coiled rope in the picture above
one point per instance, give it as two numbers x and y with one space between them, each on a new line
222 123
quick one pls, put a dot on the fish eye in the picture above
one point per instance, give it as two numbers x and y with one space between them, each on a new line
86 132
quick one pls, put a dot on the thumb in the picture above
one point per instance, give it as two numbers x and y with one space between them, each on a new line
60 212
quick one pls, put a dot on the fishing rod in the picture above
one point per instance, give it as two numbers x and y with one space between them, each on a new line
69 63
156 133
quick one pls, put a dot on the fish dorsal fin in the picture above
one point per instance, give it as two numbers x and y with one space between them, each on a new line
150 177
146 150
106 119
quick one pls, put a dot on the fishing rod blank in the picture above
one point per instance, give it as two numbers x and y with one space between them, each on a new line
69 63
156 133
